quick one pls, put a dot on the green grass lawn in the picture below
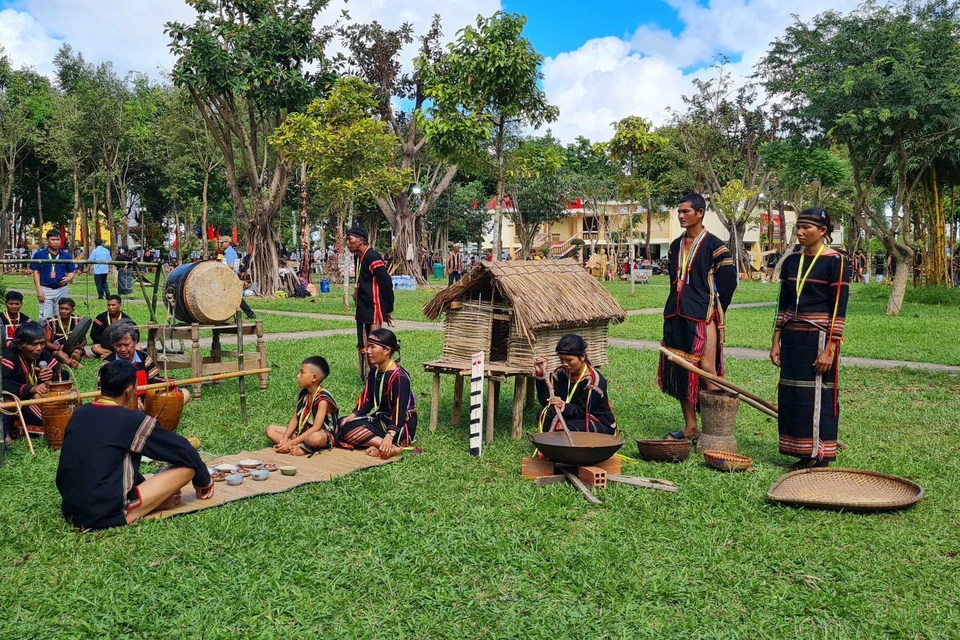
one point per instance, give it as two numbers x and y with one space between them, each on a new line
921 333
444 545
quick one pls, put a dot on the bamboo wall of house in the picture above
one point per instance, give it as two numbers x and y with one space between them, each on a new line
467 329
521 355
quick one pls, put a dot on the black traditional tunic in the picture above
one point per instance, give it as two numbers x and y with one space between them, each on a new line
809 408
99 469
697 297
58 332
374 292
147 372
8 325
586 404
307 415
19 376
101 322
387 405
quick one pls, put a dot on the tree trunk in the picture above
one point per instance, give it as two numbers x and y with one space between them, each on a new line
868 267
264 260
904 270
346 258
111 222
405 246
783 256
649 233
40 206
501 177
304 227
203 215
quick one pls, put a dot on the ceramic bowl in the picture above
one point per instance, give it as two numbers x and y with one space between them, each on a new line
288 471
259 474
230 468
234 479
250 463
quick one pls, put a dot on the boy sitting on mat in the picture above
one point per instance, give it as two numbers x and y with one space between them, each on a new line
314 423
99 473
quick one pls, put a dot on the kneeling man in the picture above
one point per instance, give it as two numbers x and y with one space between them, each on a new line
99 474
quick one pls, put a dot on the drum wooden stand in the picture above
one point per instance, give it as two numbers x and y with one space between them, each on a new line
220 360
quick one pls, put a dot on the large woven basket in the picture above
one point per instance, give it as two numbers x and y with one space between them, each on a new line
848 489
726 461
664 450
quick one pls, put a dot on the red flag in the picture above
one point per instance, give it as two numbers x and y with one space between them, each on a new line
233 234
211 232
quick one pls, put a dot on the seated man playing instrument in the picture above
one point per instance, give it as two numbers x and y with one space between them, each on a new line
385 418
579 391
99 473
314 423
12 317
27 368
125 339
58 330
114 313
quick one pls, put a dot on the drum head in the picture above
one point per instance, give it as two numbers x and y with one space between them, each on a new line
78 334
106 340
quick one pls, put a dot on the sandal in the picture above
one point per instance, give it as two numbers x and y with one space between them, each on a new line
679 435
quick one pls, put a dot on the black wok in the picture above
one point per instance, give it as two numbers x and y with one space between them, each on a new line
589 449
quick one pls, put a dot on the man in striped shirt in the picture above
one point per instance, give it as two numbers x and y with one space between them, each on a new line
454 265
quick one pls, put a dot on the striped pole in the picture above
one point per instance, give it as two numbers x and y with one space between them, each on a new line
476 405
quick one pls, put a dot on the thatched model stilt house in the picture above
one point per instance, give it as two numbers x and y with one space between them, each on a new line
514 310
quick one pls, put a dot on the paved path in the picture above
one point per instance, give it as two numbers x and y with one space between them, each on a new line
620 343
742 305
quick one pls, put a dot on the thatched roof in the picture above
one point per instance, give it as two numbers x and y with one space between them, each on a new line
544 293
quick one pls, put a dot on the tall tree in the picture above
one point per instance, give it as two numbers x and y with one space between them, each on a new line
536 187
482 90
25 103
632 143
348 150
883 81
721 133
247 64
375 56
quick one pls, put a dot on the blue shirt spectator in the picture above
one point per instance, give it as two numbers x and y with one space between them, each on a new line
52 274
101 253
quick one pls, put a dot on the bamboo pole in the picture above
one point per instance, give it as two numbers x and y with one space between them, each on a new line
753 400
149 387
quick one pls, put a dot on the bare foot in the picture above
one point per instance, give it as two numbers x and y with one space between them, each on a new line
373 452
297 451
170 503
803 463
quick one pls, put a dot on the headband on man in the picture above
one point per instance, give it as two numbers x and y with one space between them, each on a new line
359 233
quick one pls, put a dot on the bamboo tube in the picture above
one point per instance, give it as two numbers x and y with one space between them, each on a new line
156 385
753 400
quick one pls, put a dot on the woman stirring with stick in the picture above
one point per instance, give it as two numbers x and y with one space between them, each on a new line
812 307
579 392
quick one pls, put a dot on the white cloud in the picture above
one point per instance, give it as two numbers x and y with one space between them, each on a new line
26 41
130 32
609 78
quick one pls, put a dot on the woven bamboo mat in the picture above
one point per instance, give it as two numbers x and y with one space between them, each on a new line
321 467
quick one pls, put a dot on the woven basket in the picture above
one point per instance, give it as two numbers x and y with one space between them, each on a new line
848 489
664 450
725 461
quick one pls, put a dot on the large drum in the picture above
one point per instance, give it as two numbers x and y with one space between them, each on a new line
204 292
165 406
56 415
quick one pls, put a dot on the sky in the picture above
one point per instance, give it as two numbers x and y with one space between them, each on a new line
604 59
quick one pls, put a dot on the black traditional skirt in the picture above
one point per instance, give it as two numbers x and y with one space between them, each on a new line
363 429
687 339
807 402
